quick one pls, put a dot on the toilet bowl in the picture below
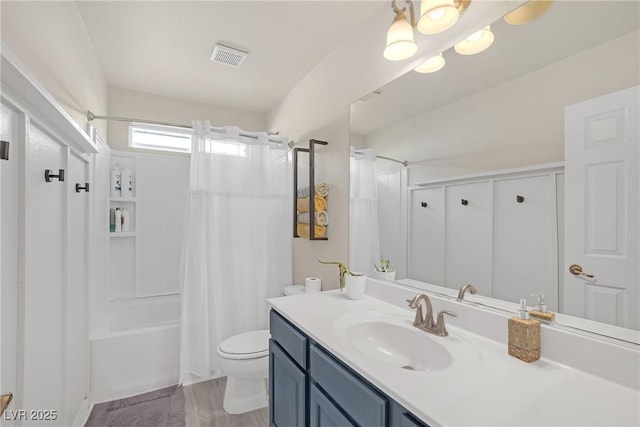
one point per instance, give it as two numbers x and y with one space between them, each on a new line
244 358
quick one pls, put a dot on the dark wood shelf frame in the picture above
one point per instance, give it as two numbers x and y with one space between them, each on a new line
312 189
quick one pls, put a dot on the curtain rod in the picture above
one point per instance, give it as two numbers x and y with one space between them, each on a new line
91 117
402 162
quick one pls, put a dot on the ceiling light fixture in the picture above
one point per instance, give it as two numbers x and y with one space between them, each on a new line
476 42
400 44
431 65
436 16
528 12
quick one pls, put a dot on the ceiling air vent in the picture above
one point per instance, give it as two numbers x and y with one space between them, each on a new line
228 56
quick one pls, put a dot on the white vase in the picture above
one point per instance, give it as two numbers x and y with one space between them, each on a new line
355 285
386 275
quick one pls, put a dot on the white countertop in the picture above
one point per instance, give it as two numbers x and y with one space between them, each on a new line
501 390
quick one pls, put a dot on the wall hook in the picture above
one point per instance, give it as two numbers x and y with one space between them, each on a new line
424 204
519 199
80 188
48 176
464 202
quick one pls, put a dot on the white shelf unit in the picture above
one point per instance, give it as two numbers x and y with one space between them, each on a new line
123 199
125 234
124 247
128 203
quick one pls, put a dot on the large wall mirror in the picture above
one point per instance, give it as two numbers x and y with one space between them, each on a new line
495 194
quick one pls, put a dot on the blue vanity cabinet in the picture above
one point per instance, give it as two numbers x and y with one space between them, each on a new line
324 413
309 387
287 390
288 378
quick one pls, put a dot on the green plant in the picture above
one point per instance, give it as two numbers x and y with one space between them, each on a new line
384 265
343 270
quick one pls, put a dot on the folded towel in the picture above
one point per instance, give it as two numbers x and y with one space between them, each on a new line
303 230
320 204
321 218
322 190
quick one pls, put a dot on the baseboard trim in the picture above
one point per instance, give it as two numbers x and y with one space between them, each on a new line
83 414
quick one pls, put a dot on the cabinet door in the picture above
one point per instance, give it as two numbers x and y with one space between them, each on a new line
287 390
77 333
45 270
524 243
9 258
323 413
426 236
468 236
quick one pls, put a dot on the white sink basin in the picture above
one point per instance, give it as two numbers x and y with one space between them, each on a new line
392 340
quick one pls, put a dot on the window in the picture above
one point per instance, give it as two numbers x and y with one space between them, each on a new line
160 137
177 139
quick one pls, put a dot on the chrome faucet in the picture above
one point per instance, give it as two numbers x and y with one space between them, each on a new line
465 288
426 323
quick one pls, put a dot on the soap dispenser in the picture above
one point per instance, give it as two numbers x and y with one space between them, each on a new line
524 335
540 311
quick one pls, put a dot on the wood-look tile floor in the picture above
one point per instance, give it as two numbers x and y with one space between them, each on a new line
196 405
203 408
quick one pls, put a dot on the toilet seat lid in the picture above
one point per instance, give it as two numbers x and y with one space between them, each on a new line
247 345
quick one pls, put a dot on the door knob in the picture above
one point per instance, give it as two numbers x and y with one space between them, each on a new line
576 270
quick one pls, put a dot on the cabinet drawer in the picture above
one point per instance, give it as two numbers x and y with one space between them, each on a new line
290 338
365 405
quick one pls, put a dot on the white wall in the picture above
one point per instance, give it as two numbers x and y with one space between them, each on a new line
318 107
148 264
332 167
51 40
138 105
517 123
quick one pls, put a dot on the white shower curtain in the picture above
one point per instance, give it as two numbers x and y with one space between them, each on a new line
364 240
237 249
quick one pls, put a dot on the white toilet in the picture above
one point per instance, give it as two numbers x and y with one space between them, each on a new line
245 359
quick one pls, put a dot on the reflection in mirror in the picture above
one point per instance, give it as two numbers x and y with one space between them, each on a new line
509 182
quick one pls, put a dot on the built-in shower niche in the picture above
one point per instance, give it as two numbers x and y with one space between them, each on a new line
145 260
123 202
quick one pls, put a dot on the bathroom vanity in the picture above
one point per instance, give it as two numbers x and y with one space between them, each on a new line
335 361
308 382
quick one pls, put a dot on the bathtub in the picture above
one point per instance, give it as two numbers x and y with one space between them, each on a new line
135 347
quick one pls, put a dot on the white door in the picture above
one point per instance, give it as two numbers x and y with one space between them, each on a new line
468 236
9 258
601 201
426 236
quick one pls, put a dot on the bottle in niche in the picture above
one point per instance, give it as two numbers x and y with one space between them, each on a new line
112 220
125 220
126 181
118 220
116 177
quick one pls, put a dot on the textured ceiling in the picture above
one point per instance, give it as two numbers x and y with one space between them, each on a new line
164 47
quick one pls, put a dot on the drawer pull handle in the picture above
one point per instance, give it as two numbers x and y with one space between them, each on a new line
519 199
464 202
424 204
